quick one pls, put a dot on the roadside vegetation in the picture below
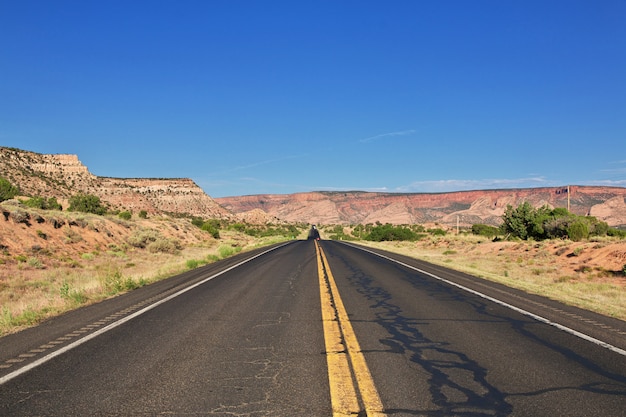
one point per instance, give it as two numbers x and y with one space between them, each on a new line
550 252
53 260
62 259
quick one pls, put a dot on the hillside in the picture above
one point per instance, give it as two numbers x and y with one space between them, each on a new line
62 176
466 207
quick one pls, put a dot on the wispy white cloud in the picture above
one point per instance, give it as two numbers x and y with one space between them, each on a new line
257 164
387 135
481 184
265 162
607 183
334 188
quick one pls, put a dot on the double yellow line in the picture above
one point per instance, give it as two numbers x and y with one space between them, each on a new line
352 388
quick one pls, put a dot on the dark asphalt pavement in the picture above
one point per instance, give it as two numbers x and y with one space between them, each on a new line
249 342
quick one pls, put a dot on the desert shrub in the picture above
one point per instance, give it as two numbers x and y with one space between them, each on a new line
437 232
43 203
212 229
20 216
7 190
115 283
164 245
616 232
143 214
87 203
72 236
578 231
485 230
142 238
125 215
212 226
388 232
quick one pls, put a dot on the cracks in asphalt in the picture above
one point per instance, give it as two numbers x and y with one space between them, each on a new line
458 383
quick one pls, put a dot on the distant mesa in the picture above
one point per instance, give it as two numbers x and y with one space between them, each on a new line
464 208
62 176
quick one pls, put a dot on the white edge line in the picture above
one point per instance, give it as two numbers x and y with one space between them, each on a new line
115 324
502 303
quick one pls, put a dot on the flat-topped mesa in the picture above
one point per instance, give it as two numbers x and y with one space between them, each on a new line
61 164
452 208
64 175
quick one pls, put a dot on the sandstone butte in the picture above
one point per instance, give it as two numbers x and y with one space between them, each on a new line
62 176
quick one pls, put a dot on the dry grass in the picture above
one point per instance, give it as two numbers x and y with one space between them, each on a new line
47 269
584 274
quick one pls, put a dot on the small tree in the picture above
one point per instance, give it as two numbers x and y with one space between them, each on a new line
578 230
43 203
7 190
518 221
87 203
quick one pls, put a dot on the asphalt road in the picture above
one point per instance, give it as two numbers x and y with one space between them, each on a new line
253 336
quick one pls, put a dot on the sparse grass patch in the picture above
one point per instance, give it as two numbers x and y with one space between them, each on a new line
74 296
212 258
226 250
35 263
193 263
72 236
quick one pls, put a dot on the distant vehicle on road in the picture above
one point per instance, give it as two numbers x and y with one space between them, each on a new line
314 234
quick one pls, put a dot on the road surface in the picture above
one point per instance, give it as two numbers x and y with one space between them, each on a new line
322 328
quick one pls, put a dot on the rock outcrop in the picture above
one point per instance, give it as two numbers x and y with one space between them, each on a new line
62 176
464 208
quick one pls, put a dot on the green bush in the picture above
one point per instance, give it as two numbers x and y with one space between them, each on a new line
485 230
226 251
143 214
87 203
212 229
7 190
527 222
388 232
578 231
192 263
125 215
43 203
212 226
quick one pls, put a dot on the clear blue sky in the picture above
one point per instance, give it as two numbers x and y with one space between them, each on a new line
251 97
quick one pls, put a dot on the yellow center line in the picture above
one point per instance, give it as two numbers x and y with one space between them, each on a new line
346 362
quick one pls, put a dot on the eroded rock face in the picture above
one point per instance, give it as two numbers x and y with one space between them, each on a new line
464 208
62 176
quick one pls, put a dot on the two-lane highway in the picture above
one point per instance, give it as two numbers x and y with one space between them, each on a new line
272 335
